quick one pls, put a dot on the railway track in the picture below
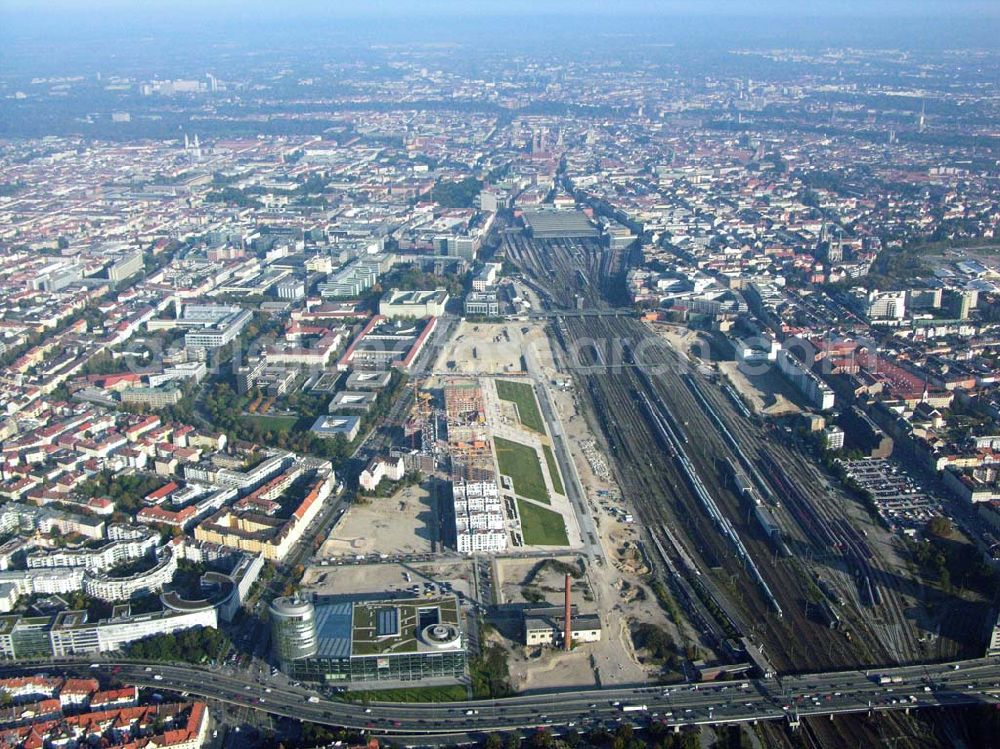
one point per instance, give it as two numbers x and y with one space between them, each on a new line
824 524
649 475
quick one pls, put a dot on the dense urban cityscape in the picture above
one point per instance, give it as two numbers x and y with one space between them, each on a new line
452 385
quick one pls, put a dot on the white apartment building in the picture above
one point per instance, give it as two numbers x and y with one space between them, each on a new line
886 305
97 585
479 518
110 555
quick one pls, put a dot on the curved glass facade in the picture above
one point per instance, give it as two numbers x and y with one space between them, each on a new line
293 629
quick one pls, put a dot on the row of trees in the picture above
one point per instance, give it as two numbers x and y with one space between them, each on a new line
657 736
224 406
196 645
127 490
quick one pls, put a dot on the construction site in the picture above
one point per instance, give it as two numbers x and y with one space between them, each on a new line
690 539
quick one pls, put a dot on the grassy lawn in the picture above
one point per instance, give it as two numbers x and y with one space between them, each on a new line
520 462
281 423
523 395
541 527
553 470
451 693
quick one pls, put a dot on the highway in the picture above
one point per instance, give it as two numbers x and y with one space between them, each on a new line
783 698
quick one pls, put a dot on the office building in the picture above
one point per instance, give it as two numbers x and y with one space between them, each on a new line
293 630
341 641
332 426
125 267
214 325
482 304
70 632
886 305
416 304
486 277
290 289
353 401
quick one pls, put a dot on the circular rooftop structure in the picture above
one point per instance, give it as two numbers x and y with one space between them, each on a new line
441 636
216 587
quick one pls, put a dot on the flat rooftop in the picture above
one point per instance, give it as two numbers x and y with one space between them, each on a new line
556 224
382 627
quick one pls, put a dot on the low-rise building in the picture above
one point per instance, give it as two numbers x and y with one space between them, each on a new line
378 469
332 426
482 304
547 626
416 304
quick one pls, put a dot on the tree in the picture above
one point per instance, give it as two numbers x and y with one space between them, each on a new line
541 739
940 526
456 194
512 741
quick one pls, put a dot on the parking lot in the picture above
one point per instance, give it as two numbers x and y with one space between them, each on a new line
899 498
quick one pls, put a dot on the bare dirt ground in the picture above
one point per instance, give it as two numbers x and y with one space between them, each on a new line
379 579
688 342
492 348
613 660
386 525
767 393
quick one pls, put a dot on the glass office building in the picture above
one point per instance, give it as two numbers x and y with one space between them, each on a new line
293 630
379 640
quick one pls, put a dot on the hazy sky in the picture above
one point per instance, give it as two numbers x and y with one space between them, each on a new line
911 24
901 8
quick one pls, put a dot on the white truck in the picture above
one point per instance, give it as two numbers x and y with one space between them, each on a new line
634 708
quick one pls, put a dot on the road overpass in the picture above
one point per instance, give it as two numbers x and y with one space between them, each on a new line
788 698
588 312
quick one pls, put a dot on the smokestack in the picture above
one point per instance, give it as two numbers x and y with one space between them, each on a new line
568 634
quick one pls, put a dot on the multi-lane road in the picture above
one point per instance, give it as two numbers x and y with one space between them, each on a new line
783 698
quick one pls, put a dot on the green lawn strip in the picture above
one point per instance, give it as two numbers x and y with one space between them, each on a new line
541 527
281 423
553 470
520 462
523 395
451 693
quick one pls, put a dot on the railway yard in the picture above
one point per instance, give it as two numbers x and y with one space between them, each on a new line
683 507
769 557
